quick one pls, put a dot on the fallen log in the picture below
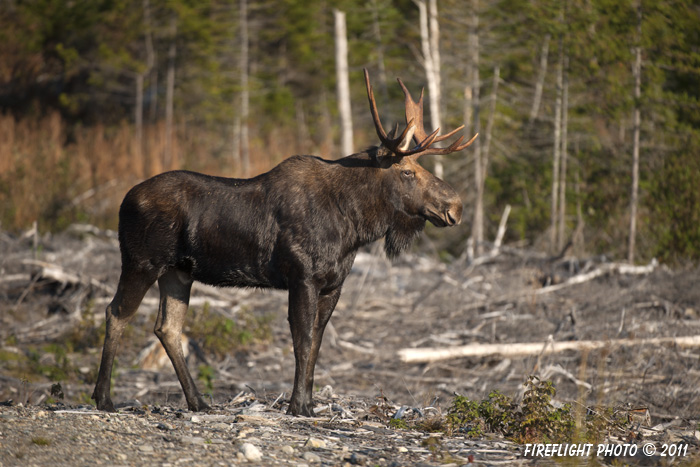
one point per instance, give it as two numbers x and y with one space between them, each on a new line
56 273
609 268
424 355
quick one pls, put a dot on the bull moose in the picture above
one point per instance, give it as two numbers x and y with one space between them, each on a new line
297 227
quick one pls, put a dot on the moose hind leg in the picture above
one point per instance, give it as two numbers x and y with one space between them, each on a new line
130 291
175 289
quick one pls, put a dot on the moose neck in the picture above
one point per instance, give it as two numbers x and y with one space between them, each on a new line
370 199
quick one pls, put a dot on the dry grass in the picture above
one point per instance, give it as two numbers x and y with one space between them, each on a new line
56 174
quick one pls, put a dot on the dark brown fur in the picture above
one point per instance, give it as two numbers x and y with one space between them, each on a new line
297 227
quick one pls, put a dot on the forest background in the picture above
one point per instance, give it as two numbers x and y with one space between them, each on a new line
587 110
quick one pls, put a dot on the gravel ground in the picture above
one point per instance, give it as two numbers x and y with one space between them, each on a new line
47 294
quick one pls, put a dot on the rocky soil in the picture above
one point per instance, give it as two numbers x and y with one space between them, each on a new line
631 334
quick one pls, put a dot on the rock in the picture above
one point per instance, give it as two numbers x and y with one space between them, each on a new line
311 457
146 448
315 443
288 450
251 452
326 392
245 432
192 440
357 459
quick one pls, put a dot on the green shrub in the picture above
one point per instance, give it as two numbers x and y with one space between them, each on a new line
220 335
533 420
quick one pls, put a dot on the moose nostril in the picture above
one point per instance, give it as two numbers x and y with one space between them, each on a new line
451 218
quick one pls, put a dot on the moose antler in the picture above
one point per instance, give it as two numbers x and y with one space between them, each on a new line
414 126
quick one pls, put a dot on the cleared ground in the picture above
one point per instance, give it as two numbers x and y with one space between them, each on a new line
630 334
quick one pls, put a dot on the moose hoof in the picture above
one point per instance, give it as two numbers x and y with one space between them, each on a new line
198 406
105 406
301 409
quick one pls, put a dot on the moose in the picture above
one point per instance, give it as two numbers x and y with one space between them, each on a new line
297 227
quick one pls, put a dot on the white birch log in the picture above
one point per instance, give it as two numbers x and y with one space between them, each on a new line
423 355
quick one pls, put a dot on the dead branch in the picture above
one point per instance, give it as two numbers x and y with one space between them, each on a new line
609 268
57 273
413 355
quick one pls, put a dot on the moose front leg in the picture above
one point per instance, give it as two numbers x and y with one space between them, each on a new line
308 315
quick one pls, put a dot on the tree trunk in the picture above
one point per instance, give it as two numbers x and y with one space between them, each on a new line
564 143
482 162
539 85
577 237
343 83
635 144
138 122
430 48
557 150
377 31
434 84
436 93
169 156
150 65
490 122
151 74
302 133
478 221
241 129
236 142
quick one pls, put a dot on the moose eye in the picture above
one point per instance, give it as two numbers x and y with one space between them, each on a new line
408 173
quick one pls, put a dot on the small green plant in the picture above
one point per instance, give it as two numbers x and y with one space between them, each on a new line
57 391
533 420
206 376
430 424
85 398
85 334
438 452
398 424
41 441
56 368
541 422
219 335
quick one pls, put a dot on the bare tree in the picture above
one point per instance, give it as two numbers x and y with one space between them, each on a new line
150 62
151 73
241 145
138 118
556 149
482 162
635 144
343 83
377 31
541 74
434 40
477 236
430 49
168 156
492 116
564 155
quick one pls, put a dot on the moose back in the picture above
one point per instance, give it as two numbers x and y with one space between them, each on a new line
297 227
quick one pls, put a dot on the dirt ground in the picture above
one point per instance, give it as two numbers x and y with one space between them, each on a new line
53 291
